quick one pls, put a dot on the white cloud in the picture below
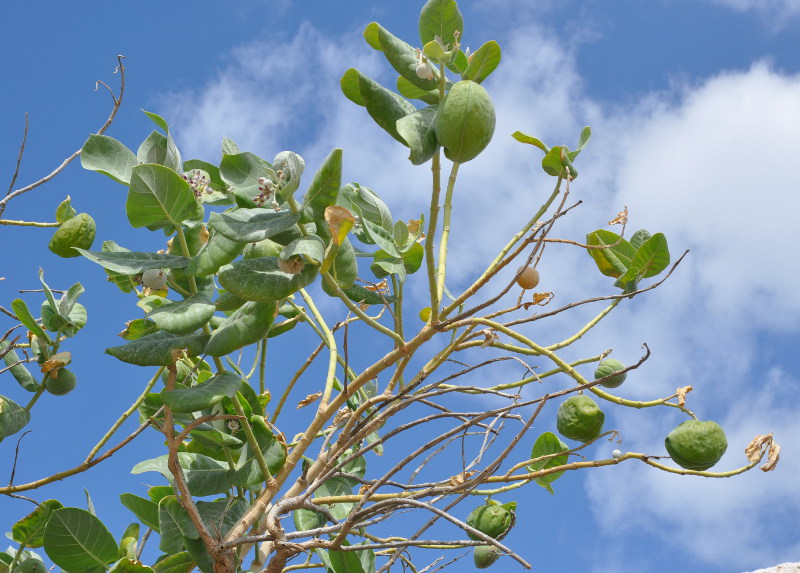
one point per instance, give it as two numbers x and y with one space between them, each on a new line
711 165
772 10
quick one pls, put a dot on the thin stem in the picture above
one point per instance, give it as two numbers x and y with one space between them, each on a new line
448 208
28 223
330 342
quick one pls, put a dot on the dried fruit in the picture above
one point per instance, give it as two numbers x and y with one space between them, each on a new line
78 232
154 279
64 384
492 519
607 367
696 445
580 418
465 121
485 555
528 277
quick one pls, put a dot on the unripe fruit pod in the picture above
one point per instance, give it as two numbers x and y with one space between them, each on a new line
528 277
465 121
154 279
30 565
696 445
607 367
493 520
64 384
485 555
580 418
78 232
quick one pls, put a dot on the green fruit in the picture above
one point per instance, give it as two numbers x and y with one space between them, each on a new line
76 232
465 121
607 367
485 555
696 445
493 520
64 384
263 248
30 565
580 418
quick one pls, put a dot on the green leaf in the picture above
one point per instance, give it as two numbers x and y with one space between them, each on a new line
440 18
76 540
217 251
365 203
222 514
108 156
436 53
345 266
482 62
522 138
385 264
348 561
401 56
305 519
204 475
159 198
158 349
248 324
13 417
338 486
144 509
418 130
130 565
20 373
639 238
547 444
252 225
586 134
128 544
124 282
459 64
184 316
135 329
177 563
159 149
247 470
261 279
26 318
65 211
612 261
556 161
363 295
29 531
242 172
197 549
311 248
229 147
174 521
324 188
68 325
410 91
652 257
202 396
383 105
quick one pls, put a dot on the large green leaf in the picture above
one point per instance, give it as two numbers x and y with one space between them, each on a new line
440 18
311 248
261 279
547 444
204 475
29 531
291 167
383 105
176 563
130 565
345 266
556 161
197 549
482 62
78 542
20 373
26 318
144 509
363 295
248 324
347 561
338 486
184 316
402 57
324 188
174 521
365 203
159 198
242 172
131 263
652 257
613 261
13 417
410 91
221 515
247 470
252 225
108 156
217 251
158 349
418 130
202 396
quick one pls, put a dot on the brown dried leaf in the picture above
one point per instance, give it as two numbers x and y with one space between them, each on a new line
489 337
363 489
681 392
621 218
310 399
381 287
292 266
461 479
340 221
774 456
55 363
755 451
342 415
413 226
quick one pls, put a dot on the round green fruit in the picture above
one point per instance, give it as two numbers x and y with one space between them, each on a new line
465 121
696 445
607 367
64 384
78 232
580 418
485 555
493 520
30 565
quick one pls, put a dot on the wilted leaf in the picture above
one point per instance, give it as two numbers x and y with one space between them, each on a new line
56 362
681 392
489 337
773 457
310 399
621 218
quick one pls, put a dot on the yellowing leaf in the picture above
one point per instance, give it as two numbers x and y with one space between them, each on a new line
339 221
56 362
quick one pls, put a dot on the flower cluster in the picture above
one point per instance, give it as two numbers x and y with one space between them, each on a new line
267 191
198 181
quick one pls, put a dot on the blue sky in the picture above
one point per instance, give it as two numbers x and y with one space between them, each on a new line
695 109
